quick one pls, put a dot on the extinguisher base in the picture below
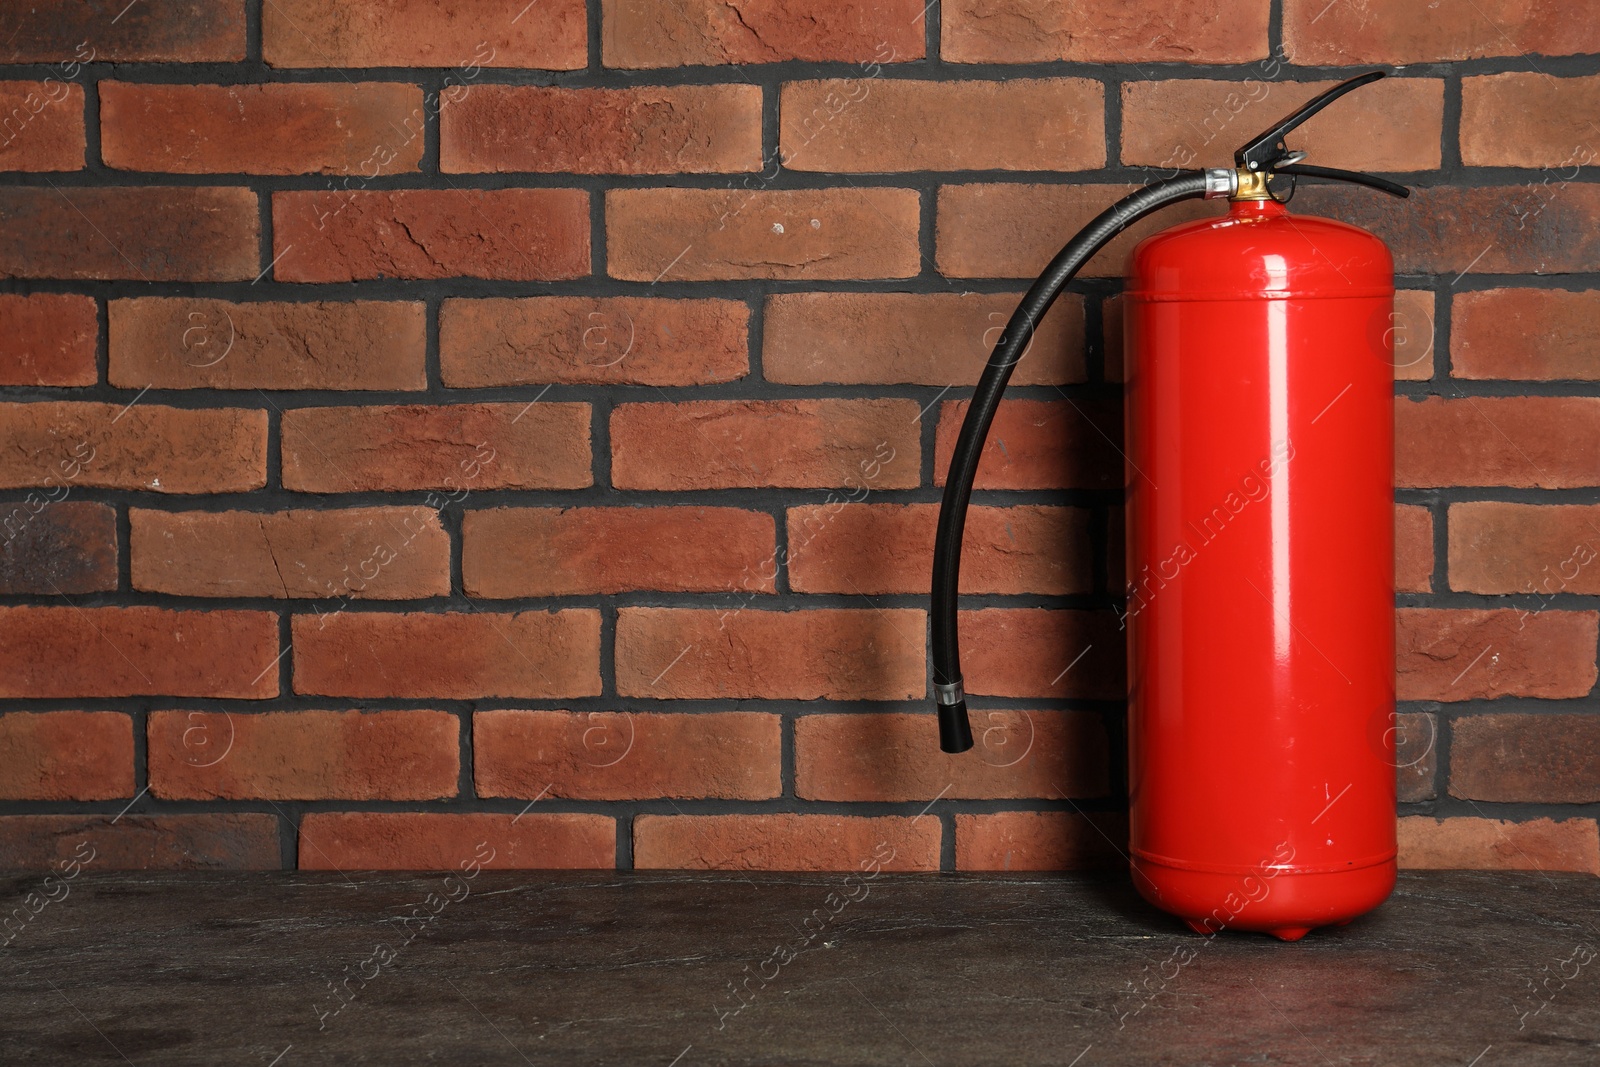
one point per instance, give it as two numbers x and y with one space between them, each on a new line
1284 903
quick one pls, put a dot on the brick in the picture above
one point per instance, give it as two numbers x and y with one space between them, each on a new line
1087 31
365 128
383 553
236 841
132 446
455 655
678 129
518 552
828 654
876 125
48 339
1526 334
79 31
1012 231
1413 549
912 338
1411 333
1393 125
887 757
190 343
1394 31
1550 759
457 447
304 755
1547 227
639 33
1041 841
510 234
1526 119
705 234
57 548
1462 654
1544 549
784 842
1040 444
139 651
1039 652
149 233
1499 845
1416 738
888 548
1547 442
41 125
66 755
626 756
621 340
466 34
437 841
723 444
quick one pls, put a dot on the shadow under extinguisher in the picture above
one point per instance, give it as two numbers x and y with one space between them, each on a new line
1259 533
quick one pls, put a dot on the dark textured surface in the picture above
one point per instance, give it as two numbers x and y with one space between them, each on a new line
535 968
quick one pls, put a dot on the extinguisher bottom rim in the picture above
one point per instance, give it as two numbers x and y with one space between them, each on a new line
1140 855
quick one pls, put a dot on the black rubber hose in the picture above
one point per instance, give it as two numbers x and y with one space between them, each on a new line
955 730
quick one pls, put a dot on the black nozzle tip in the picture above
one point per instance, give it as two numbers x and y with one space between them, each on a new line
955 730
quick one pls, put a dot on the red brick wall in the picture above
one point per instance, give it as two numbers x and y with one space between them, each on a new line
439 421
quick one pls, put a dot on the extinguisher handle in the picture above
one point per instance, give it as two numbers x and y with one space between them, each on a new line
1332 174
1267 147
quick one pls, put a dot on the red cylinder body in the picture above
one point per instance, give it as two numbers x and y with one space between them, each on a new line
1260 548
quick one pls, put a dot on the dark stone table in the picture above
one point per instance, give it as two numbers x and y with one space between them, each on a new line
286 969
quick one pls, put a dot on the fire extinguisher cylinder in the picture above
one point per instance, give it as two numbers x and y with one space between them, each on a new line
1259 543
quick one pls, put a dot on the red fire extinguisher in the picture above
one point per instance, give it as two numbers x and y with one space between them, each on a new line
1260 598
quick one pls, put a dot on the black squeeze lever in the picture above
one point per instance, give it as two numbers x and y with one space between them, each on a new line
1267 148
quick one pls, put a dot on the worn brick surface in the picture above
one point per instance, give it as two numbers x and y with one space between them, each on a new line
384 553
148 233
1089 31
239 841
366 128
453 448
47 339
339 235
192 343
132 446
1528 334
1395 31
1041 841
600 340
303 755
66 755
78 31
871 125
136 651
692 129
1413 548
456 842
810 234
888 548
751 653
640 33
454 655
717 444
1500 844
912 338
1017 754
41 125
1470 654
625 755
1553 759
57 549
463 34
516 552
1548 442
782 842
1040 444
1541 549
